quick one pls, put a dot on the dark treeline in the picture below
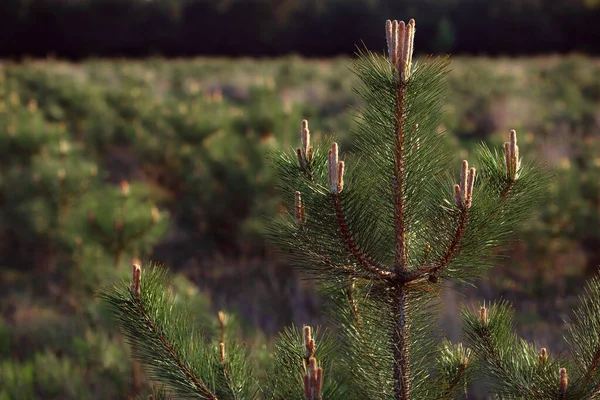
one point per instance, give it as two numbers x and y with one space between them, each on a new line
134 28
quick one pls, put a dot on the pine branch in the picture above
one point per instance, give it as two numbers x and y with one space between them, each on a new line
165 339
201 387
515 367
362 259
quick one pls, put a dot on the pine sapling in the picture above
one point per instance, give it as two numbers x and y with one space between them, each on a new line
380 231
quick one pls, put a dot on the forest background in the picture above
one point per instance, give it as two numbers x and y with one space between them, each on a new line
133 128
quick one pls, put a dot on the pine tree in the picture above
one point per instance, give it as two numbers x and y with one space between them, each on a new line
380 232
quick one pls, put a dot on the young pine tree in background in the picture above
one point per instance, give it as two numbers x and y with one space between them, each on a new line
380 231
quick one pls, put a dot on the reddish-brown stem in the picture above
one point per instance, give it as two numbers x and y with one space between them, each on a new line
400 228
196 381
401 344
460 230
362 260
400 336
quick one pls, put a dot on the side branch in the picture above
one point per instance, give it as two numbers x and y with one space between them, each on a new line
494 359
362 259
182 367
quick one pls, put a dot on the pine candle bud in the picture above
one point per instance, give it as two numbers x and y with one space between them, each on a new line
155 214
336 170
124 188
136 280
511 157
222 351
32 106
483 315
222 324
543 357
222 319
340 176
564 382
400 41
304 154
463 192
119 225
313 380
309 343
63 148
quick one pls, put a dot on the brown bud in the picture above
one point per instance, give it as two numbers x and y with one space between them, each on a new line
464 177
458 196
564 382
307 393
124 188
305 136
470 183
119 225
136 280
91 219
309 343
222 319
32 106
334 169
483 315
543 357
63 147
155 214
340 176
319 382
222 351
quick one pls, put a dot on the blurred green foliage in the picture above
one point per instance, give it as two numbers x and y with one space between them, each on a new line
105 161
